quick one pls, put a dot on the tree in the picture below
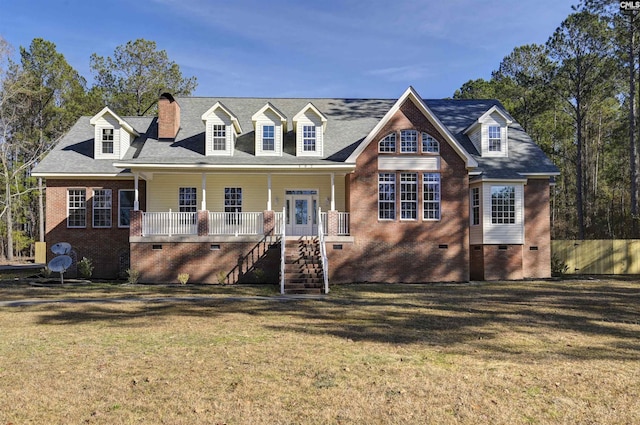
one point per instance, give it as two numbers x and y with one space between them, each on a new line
581 49
131 81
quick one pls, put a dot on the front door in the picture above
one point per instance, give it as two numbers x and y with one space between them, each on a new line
301 206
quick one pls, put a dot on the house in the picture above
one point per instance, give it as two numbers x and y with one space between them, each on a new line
406 190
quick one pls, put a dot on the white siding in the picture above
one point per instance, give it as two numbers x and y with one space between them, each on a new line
502 233
408 163
494 119
125 143
476 232
476 138
107 121
162 190
309 118
269 118
219 117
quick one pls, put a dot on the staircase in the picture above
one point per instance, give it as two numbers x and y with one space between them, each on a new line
303 266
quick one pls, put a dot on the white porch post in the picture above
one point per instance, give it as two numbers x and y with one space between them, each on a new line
268 192
333 191
136 202
203 205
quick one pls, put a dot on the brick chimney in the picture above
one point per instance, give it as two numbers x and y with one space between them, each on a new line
168 117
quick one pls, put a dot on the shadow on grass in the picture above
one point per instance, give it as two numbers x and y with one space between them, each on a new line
437 315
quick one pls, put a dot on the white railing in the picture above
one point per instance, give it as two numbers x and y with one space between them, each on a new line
169 223
323 252
343 223
279 223
283 251
236 223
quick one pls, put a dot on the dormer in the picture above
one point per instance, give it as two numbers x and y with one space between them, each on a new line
309 125
112 135
490 133
221 130
270 125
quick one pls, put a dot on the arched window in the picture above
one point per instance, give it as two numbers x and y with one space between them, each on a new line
388 144
429 144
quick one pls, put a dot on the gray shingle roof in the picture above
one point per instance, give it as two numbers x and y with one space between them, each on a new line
349 122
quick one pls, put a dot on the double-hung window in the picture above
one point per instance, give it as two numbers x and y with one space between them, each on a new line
408 196
76 208
408 141
309 138
387 196
219 137
102 208
495 139
187 199
107 140
268 138
431 196
503 205
233 199
475 206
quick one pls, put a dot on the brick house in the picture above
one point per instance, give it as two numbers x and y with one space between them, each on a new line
405 190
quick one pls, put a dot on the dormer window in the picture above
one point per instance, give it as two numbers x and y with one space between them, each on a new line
495 140
268 138
219 137
107 140
429 144
408 141
310 125
388 144
309 138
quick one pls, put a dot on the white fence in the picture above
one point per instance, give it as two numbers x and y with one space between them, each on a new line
169 223
247 223
343 223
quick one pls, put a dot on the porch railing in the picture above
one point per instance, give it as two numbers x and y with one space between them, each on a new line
343 223
169 223
283 250
279 223
236 223
323 252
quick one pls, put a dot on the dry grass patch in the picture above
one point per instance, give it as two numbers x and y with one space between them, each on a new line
516 353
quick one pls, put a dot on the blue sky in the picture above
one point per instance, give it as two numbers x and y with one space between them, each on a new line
285 48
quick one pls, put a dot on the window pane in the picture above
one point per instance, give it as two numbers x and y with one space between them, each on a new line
431 196
76 208
219 137
409 196
429 144
102 208
388 144
309 138
268 139
408 141
386 196
125 205
187 199
503 205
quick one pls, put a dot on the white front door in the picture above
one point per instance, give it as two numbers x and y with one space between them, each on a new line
301 206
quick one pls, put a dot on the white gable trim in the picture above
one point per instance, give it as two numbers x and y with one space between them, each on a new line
410 93
122 122
275 110
234 119
487 114
308 106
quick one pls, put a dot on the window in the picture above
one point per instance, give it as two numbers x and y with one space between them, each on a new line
76 208
431 196
408 141
232 199
388 144
386 196
475 206
107 140
503 204
219 137
125 205
268 139
429 144
495 141
408 196
101 207
309 138
187 199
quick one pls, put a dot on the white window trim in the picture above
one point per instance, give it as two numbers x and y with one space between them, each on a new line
105 140
238 206
69 209
385 141
217 127
438 194
513 210
403 186
94 208
120 225
393 183
475 206
402 141
195 204
314 138
272 138
436 144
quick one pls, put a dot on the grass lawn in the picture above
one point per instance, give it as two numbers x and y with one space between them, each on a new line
562 352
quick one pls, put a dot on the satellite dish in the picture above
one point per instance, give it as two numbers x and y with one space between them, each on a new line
61 248
60 264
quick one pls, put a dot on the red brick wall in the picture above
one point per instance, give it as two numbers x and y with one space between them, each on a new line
537 230
168 118
476 262
103 246
397 251
502 262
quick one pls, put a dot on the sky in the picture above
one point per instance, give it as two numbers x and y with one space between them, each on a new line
286 48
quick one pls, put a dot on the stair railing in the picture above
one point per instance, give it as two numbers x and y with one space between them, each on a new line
283 242
323 253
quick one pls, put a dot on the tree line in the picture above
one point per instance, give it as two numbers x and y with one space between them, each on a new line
576 95
41 97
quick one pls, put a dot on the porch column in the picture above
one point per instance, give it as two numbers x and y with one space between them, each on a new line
269 192
333 191
203 206
136 202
